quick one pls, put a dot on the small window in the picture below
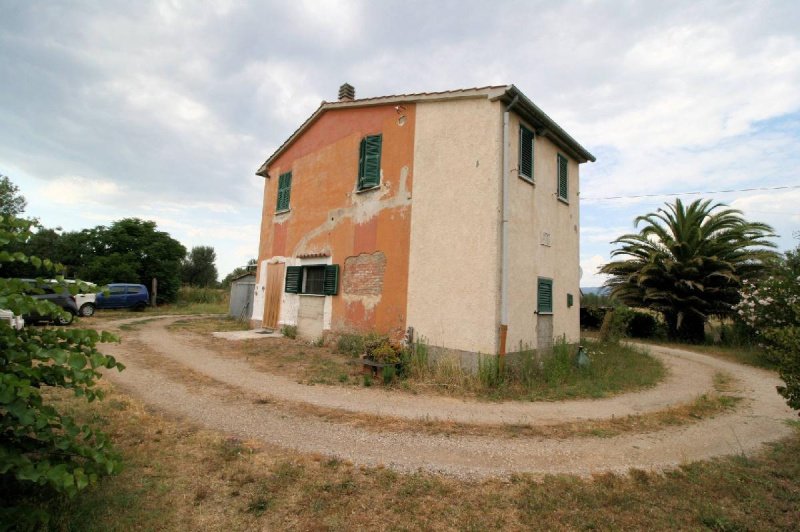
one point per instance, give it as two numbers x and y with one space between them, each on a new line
369 162
284 191
313 280
563 179
134 289
116 290
320 280
544 293
525 153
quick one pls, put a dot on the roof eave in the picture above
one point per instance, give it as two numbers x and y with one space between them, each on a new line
545 125
492 93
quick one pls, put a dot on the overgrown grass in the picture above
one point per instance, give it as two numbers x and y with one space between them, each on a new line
178 477
528 376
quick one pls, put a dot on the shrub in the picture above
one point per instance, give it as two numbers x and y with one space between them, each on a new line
592 317
289 331
771 308
350 344
641 325
43 450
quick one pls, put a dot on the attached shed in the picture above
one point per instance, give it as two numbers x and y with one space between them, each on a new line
242 289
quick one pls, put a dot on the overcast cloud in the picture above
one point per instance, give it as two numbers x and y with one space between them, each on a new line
164 110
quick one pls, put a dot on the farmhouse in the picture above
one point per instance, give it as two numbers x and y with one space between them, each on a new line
455 213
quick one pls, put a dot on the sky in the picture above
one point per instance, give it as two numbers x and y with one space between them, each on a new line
164 110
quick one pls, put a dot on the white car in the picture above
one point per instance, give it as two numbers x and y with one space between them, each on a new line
84 301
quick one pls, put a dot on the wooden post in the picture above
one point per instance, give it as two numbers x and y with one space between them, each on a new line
154 293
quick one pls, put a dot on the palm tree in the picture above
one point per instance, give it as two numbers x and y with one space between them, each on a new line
688 263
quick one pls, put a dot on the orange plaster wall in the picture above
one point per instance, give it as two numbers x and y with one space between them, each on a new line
324 166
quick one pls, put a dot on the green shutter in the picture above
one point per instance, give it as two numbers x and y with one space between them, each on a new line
284 191
563 180
330 286
525 152
545 296
570 300
294 275
369 162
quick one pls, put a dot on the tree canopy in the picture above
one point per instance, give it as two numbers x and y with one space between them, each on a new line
688 263
198 268
12 203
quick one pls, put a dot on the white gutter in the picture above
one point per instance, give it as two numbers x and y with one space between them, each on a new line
504 277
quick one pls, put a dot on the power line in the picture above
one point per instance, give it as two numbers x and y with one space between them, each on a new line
755 189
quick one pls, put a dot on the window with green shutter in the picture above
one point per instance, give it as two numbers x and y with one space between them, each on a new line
525 152
563 178
315 279
331 282
369 162
544 296
284 191
294 274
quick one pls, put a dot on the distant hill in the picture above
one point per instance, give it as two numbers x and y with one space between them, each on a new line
599 290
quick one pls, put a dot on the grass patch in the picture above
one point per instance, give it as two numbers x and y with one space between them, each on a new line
180 478
613 369
208 325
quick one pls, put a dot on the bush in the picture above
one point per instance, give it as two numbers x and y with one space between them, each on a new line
771 308
289 331
641 325
42 450
350 344
592 317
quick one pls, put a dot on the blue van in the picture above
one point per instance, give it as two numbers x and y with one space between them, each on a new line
123 295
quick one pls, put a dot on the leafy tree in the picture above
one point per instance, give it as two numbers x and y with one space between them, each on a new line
12 203
241 270
41 448
129 250
771 308
688 263
198 269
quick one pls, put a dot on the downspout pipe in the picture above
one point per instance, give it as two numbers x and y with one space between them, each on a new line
504 260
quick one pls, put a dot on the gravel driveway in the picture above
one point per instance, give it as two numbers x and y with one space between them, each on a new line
224 399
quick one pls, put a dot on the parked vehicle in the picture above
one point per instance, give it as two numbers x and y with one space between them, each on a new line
56 295
84 300
123 295
15 322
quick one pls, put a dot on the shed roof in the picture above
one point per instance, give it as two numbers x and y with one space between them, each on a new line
510 95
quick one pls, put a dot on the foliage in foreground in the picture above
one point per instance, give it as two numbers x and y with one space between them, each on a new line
772 309
688 263
41 448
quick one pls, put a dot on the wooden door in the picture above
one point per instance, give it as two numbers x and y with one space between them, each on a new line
272 301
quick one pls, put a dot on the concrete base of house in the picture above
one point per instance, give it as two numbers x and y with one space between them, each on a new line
470 361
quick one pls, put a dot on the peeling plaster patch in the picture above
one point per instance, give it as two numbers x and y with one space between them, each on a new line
362 280
363 208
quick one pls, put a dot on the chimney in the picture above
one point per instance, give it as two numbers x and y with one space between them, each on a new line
347 93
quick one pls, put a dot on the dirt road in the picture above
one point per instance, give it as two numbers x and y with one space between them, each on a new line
221 393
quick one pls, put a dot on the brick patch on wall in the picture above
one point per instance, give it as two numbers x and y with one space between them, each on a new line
363 274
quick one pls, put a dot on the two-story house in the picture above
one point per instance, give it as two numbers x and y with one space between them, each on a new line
455 213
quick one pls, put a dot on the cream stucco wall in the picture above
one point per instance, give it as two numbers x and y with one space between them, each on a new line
454 270
536 212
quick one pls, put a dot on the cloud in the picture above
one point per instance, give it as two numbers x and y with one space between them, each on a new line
590 266
166 108
81 191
